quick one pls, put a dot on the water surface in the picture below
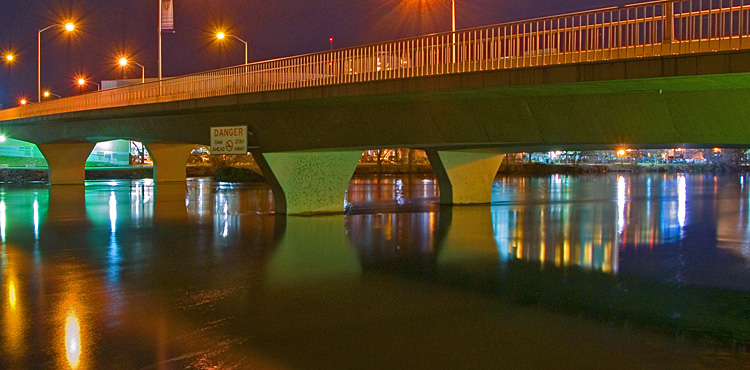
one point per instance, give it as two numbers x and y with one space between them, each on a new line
559 272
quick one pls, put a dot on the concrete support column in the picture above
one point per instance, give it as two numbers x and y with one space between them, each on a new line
170 160
305 183
465 177
67 162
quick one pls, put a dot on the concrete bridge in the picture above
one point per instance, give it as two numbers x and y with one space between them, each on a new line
659 74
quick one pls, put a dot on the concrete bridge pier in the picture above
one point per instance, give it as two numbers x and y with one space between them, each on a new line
306 183
66 161
465 177
170 160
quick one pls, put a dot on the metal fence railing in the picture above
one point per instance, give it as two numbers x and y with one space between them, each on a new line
639 30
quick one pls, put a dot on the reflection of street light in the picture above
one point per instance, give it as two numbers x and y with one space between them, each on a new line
222 36
68 27
82 82
124 63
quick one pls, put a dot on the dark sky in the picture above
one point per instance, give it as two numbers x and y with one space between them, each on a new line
273 28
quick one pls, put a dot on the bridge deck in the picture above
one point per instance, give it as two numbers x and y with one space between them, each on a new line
641 30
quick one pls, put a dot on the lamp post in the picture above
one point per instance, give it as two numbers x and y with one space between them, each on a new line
9 58
124 63
68 27
222 36
453 27
83 82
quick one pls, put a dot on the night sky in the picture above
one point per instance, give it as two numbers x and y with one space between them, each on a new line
107 28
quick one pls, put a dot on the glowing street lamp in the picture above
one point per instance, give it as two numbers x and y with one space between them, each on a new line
9 58
23 101
67 27
221 36
82 82
124 63
47 94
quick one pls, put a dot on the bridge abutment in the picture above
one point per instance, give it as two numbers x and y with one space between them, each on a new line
170 160
465 177
66 161
305 183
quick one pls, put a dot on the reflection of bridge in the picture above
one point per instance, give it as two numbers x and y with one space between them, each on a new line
652 74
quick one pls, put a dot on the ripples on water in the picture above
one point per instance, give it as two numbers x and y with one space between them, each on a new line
208 277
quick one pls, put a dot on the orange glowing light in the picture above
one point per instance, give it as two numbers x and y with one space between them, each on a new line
621 153
73 340
81 81
221 35
23 101
123 61
70 27
46 94
717 150
9 57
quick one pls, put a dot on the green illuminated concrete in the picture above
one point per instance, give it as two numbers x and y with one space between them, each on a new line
470 235
313 248
465 177
66 161
170 161
309 182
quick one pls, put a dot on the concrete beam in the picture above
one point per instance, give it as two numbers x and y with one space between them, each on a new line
465 177
305 183
67 161
170 160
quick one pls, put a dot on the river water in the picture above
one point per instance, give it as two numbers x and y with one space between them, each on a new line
563 272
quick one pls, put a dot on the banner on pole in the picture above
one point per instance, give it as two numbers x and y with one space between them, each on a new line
167 16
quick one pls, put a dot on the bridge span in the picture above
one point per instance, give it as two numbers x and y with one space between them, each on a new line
665 73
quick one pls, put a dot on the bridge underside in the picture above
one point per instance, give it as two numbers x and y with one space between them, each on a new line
698 101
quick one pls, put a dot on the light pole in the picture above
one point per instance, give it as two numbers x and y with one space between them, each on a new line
82 82
453 28
124 63
222 36
68 27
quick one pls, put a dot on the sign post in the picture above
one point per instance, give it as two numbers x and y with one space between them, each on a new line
229 140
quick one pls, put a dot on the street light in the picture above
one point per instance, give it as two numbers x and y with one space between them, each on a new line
48 94
9 58
82 82
124 63
23 101
67 27
222 36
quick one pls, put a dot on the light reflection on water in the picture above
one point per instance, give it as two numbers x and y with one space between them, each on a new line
204 251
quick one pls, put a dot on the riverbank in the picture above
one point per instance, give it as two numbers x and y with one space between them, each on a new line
252 173
545 169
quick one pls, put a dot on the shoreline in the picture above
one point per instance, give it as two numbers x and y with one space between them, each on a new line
35 174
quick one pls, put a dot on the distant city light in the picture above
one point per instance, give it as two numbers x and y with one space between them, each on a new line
621 153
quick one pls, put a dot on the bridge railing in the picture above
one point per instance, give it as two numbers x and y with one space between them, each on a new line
639 30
